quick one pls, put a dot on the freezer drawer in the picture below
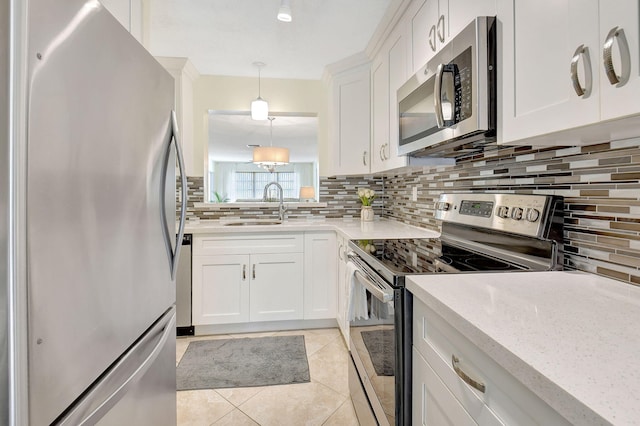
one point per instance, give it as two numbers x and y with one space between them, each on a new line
139 389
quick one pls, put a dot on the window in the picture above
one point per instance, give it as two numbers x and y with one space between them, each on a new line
250 185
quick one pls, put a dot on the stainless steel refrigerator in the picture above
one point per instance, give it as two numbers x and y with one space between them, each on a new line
88 251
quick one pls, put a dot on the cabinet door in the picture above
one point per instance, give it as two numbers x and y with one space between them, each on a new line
220 289
320 286
379 111
461 13
398 75
128 13
343 288
121 10
433 404
620 99
276 287
423 32
350 145
537 95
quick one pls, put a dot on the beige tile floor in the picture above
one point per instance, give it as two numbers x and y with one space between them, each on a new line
323 401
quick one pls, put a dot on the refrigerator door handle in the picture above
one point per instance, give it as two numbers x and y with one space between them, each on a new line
115 382
174 255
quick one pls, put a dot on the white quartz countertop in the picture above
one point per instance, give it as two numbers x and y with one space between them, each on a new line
350 228
572 338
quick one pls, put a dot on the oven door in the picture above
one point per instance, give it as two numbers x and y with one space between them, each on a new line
373 337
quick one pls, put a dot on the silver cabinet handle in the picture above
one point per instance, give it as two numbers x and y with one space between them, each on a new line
382 152
432 38
440 30
464 376
364 158
244 272
581 51
340 256
623 77
437 96
253 272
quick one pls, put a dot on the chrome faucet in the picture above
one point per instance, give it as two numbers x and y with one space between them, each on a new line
281 209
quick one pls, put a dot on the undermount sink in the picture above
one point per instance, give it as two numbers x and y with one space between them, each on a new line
253 222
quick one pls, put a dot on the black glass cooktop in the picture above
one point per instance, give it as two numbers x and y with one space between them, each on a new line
423 256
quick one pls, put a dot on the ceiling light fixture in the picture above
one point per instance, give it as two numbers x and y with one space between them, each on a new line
259 107
268 157
284 13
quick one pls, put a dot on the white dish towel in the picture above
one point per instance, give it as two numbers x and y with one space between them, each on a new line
357 295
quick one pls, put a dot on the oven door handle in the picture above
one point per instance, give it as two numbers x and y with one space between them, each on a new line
377 292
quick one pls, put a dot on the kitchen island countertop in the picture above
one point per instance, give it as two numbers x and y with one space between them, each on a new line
349 228
570 337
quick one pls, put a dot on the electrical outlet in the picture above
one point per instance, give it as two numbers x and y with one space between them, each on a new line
414 260
414 194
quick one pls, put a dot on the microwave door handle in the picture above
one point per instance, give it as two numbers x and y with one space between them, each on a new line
437 96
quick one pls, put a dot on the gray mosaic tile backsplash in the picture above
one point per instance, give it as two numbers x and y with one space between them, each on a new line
600 183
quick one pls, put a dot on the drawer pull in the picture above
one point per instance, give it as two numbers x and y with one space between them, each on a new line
244 272
468 380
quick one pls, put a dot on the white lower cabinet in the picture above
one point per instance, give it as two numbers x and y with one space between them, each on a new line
220 289
433 403
237 279
343 287
320 298
451 374
276 287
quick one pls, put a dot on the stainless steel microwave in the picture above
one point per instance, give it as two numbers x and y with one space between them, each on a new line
451 101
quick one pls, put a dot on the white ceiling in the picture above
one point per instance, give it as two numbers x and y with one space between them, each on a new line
225 37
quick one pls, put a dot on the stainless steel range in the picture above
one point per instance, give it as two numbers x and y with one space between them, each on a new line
480 233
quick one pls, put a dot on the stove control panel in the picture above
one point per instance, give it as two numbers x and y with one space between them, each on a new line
520 214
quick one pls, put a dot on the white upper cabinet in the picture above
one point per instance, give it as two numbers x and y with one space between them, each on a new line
620 98
537 92
389 71
428 30
554 88
128 13
379 110
435 22
350 115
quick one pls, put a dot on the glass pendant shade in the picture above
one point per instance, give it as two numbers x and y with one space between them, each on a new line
259 109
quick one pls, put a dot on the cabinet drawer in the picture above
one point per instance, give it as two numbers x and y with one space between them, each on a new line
433 404
248 244
438 342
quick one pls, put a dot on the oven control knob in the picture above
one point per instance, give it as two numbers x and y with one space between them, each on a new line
442 205
533 215
503 211
516 213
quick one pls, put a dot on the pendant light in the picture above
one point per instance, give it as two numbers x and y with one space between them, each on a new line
259 107
284 13
268 157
